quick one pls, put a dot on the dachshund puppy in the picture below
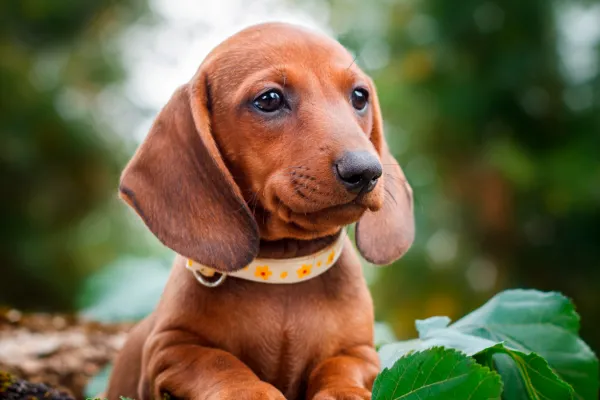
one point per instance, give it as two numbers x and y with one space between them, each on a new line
251 172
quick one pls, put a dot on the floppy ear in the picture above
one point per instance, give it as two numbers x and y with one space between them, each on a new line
384 236
179 185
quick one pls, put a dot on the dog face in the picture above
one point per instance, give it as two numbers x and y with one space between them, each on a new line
278 135
295 129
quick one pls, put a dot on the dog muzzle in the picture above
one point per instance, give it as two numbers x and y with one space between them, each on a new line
278 271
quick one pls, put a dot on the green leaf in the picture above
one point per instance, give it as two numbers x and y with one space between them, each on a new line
514 385
543 323
434 374
525 376
529 374
427 325
529 337
434 333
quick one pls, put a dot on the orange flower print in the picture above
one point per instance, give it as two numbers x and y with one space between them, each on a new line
263 272
209 272
283 275
304 270
319 264
190 262
331 257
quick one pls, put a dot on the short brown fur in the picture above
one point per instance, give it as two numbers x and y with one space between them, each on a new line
220 183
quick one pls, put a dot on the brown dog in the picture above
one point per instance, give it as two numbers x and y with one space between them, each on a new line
272 148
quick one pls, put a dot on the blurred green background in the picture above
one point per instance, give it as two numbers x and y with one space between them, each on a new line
492 108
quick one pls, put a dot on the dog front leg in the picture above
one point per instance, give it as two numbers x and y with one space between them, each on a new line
176 365
347 376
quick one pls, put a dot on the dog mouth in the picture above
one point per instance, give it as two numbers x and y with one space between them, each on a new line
311 209
334 215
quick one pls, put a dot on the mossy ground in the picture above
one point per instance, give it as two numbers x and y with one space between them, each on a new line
13 388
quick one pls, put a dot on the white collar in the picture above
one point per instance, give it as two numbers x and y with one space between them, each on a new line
284 271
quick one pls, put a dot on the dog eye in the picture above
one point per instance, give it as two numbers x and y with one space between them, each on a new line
270 101
360 99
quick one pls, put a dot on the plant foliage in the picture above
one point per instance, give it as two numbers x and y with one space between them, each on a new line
528 337
434 373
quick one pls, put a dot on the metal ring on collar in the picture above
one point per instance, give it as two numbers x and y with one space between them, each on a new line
202 280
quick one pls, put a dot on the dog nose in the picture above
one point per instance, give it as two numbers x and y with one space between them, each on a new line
358 171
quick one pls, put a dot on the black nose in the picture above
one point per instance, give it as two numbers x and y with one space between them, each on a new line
358 171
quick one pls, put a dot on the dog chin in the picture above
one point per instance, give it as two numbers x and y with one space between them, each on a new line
323 219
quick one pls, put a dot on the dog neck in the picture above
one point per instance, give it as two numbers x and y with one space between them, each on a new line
291 248
282 261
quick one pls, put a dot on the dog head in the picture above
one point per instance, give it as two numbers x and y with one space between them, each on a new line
278 135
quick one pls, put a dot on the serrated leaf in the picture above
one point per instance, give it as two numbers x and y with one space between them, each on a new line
525 376
434 374
514 385
528 326
521 373
434 336
543 323
424 326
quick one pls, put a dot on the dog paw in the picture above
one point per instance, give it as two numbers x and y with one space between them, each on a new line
252 391
350 393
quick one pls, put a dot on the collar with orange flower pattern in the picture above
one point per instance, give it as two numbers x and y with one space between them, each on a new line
288 270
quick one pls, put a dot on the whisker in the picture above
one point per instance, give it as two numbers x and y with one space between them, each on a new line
398 177
391 195
311 193
255 200
264 213
281 204
353 61
295 167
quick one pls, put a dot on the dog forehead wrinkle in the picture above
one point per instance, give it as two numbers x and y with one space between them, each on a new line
329 78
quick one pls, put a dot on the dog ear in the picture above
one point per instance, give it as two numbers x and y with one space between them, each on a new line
384 236
179 185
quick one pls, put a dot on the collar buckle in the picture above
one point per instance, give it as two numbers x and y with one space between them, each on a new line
210 284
